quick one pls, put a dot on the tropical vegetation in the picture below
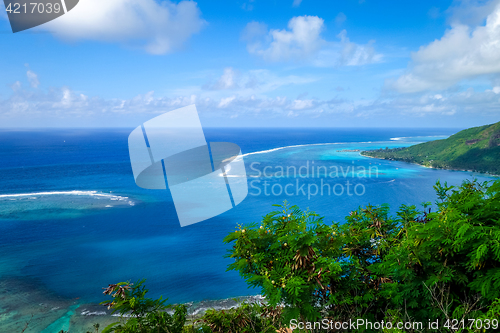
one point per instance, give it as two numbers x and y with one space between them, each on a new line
474 149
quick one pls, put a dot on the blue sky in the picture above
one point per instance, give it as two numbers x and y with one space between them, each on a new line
256 63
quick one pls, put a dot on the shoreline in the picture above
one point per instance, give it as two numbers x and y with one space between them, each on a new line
86 315
428 167
26 300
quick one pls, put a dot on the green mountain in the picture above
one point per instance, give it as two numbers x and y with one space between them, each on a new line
476 149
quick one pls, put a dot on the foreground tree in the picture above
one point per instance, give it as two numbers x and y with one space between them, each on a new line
448 264
415 266
142 314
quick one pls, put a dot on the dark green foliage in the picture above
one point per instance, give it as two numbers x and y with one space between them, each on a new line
366 238
247 318
476 149
449 264
290 256
143 314
316 270
148 315
415 266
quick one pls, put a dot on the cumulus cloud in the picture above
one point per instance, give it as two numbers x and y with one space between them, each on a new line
226 81
60 102
299 42
455 106
253 94
225 102
302 104
71 106
158 28
74 108
33 78
302 42
462 53
353 54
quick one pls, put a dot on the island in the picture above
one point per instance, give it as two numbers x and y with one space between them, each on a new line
475 149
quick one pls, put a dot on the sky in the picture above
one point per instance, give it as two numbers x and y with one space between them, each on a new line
256 63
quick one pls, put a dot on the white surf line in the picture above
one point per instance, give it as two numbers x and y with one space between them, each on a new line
64 6
310 144
336 143
280 148
420 136
89 193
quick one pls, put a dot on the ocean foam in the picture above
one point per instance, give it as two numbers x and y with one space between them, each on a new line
93 313
75 192
318 144
399 138
340 143
57 204
296 146
196 308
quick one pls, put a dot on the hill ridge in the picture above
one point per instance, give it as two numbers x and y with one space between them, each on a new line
473 149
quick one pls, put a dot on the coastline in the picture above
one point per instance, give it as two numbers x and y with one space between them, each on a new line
89 314
26 303
428 167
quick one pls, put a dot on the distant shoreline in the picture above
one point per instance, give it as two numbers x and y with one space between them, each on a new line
426 166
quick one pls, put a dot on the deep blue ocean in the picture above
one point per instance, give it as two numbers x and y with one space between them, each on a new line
73 219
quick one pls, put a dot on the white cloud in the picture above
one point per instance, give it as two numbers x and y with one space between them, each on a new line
226 81
69 105
353 54
224 102
16 86
301 104
33 78
254 94
296 3
60 102
158 28
467 104
258 81
302 42
432 108
73 108
70 99
461 53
